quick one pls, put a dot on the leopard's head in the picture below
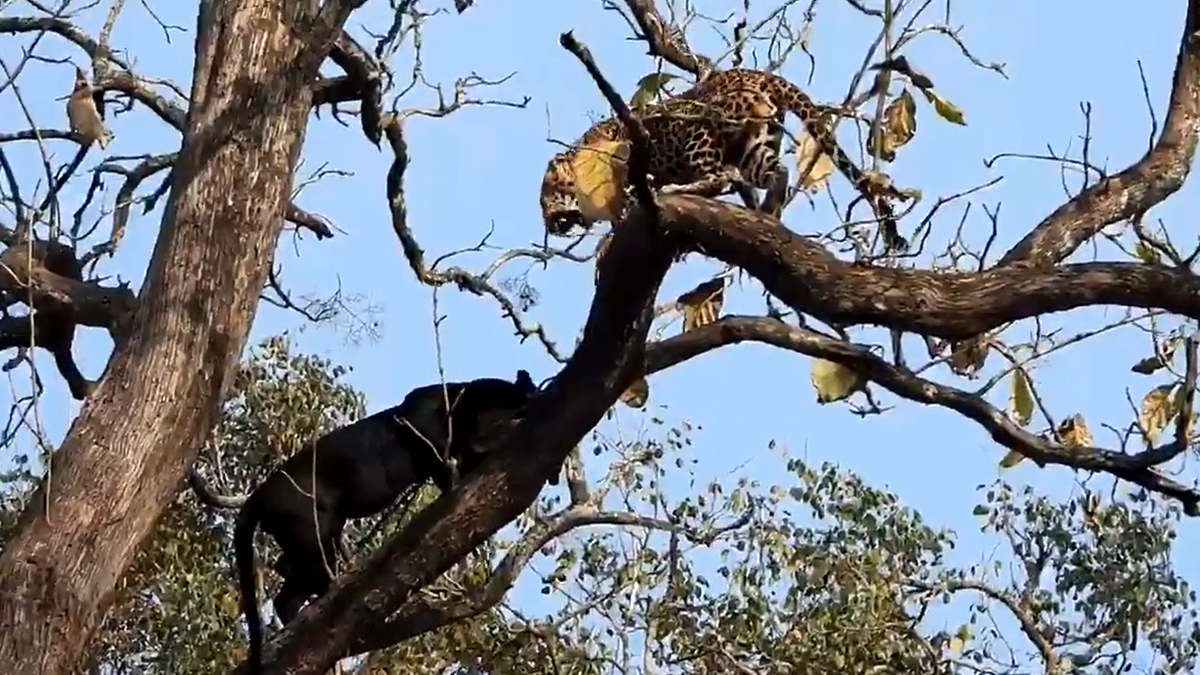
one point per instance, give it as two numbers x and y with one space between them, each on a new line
560 207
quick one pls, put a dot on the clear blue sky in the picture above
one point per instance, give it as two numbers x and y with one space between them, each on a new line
483 166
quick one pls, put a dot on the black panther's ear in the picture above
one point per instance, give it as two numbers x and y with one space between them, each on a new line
524 381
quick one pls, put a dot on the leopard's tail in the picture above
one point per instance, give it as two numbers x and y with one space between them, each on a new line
801 105
243 548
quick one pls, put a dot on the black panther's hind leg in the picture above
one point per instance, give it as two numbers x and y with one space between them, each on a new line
310 557
296 590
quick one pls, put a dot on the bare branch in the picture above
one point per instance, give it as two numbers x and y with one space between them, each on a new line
1132 192
663 42
422 615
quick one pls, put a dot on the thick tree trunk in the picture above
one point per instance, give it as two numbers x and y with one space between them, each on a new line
127 451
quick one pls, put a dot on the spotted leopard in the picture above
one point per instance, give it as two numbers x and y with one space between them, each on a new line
741 128
694 142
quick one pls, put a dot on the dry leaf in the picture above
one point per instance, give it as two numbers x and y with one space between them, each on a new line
833 381
599 170
960 639
1020 399
1149 365
1073 432
944 108
898 128
637 394
702 304
1163 355
82 114
819 165
1157 411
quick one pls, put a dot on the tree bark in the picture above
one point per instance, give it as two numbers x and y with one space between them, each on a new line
126 452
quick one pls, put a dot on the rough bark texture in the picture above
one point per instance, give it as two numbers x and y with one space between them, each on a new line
125 454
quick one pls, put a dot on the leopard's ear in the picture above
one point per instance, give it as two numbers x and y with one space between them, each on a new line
524 381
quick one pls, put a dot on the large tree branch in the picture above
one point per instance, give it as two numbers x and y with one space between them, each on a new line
605 364
1135 468
1133 191
90 304
663 42
951 305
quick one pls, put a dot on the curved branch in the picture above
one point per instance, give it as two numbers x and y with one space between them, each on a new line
90 304
663 42
1150 180
422 615
393 132
62 28
1135 468
950 305
1031 626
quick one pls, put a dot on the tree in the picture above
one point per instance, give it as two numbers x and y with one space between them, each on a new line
816 573
243 127
177 343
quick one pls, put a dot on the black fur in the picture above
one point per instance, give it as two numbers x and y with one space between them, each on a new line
360 470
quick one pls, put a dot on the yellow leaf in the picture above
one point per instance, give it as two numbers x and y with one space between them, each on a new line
600 178
1011 459
945 108
1073 432
833 381
702 304
1146 253
899 126
1020 401
637 394
1157 411
648 87
819 165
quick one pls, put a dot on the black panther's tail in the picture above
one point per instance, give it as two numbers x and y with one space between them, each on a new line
243 548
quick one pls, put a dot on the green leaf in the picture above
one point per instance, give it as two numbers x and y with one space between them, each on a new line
648 87
945 109
1146 253
1011 459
